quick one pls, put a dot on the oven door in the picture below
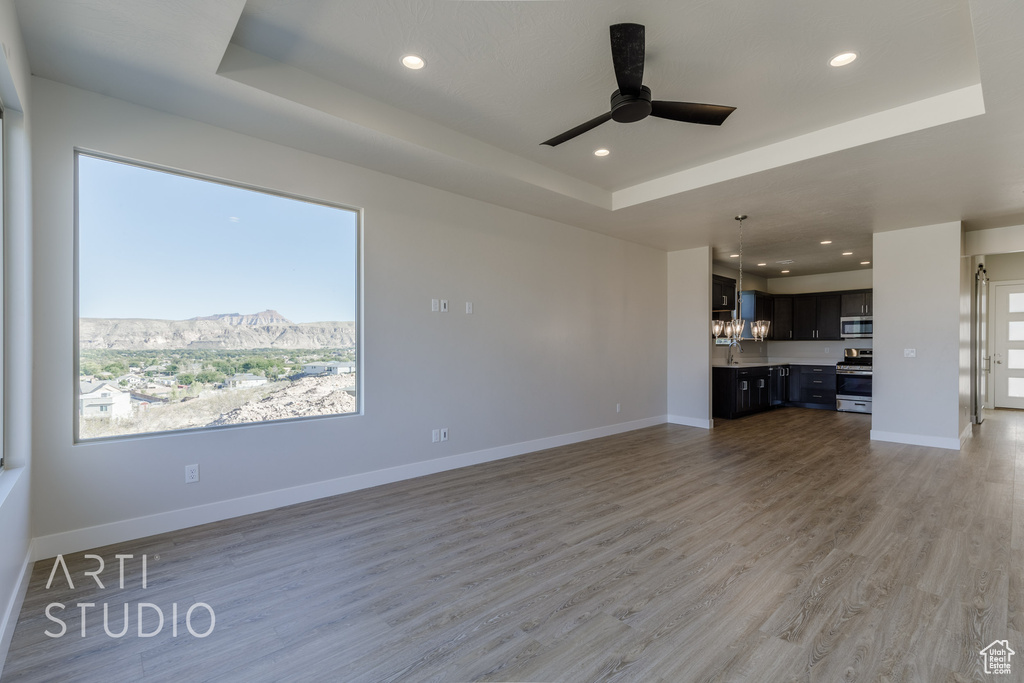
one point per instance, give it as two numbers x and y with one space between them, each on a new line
853 391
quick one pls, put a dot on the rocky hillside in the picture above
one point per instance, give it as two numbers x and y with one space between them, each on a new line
268 329
301 398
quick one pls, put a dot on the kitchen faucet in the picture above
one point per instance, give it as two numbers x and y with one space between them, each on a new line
732 343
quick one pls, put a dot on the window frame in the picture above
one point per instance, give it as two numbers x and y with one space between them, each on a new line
192 175
3 290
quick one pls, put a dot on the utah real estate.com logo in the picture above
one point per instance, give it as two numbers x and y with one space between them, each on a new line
54 609
997 657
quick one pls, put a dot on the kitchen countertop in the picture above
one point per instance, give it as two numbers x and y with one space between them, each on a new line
768 362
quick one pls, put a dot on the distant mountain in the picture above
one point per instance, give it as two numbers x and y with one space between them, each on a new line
267 317
267 329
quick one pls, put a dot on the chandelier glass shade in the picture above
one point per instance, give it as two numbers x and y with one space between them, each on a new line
733 329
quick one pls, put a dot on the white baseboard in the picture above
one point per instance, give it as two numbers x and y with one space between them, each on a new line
917 439
125 530
689 421
10 616
965 434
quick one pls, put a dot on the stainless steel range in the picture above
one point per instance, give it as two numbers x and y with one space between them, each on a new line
853 381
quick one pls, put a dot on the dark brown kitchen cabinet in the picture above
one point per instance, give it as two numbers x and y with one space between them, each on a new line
780 375
723 294
782 318
816 316
813 386
739 391
856 303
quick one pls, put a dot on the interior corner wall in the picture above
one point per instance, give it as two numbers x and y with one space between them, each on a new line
689 337
566 324
917 296
15 482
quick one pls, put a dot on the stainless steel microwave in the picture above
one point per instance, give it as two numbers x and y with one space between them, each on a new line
855 327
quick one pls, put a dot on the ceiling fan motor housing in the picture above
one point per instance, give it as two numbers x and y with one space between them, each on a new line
631 107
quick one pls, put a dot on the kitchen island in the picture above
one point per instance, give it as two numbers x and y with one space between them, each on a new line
739 389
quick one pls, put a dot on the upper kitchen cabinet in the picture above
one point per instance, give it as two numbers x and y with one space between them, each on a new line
782 318
723 294
856 303
756 305
816 316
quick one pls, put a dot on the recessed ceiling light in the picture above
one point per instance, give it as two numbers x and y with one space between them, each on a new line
784 272
865 263
601 152
843 59
847 253
413 62
826 242
734 255
762 264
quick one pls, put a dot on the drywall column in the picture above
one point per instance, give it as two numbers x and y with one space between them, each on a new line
917 275
15 484
689 334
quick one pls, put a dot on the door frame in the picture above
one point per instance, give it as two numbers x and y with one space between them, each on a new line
990 398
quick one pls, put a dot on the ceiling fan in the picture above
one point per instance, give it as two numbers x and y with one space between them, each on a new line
632 101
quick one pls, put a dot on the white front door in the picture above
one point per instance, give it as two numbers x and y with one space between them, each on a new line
1008 337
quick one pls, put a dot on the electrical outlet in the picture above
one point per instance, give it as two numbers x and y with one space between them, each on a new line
444 433
469 308
435 436
191 474
435 305
910 353
618 407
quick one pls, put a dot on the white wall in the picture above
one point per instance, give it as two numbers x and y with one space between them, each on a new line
1004 266
566 324
689 337
827 282
994 241
15 483
917 286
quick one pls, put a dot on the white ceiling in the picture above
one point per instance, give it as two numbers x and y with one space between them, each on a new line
927 126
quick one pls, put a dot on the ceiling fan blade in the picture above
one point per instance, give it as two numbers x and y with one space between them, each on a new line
628 57
691 112
578 130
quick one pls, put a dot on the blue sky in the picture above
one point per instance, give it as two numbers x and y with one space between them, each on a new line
159 245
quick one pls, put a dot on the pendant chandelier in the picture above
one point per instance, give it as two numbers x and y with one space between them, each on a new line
733 329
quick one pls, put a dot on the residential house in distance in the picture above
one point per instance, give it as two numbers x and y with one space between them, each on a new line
243 380
332 368
103 399
129 381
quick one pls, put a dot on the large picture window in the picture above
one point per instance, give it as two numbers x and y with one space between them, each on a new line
202 304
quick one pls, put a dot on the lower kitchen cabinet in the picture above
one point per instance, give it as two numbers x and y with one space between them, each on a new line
779 384
813 386
738 391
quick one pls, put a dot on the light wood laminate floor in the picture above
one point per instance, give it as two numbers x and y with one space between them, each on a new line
784 546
